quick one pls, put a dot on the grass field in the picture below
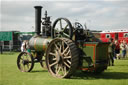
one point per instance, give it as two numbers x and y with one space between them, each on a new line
10 75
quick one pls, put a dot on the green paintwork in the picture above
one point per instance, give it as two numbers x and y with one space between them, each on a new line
97 52
39 43
102 51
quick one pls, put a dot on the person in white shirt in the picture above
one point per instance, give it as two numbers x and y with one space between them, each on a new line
23 46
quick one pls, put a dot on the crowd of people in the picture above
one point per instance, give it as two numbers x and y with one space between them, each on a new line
117 50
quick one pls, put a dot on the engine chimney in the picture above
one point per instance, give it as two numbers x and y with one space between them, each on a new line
38 19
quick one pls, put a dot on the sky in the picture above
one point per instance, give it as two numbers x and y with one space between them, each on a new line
19 15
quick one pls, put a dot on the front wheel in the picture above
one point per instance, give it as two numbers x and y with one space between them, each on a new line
25 62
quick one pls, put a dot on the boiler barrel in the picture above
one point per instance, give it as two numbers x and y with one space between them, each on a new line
39 43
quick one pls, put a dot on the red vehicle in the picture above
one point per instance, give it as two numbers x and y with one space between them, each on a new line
115 34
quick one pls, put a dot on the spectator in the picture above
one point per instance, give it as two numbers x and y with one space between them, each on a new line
127 49
123 48
28 47
23 46
117 50
111 49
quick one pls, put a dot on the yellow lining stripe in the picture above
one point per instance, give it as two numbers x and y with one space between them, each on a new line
35 43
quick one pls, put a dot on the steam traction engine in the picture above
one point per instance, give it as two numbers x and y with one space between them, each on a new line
66 48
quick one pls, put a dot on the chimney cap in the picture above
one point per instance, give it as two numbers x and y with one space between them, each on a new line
38 7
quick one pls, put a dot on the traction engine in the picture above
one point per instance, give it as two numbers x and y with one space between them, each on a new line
63 47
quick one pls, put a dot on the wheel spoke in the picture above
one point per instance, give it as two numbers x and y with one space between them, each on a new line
65 34
67 57
23 67
66 64
21 58
59 67
56 47
53 64
60 49
27 58
65 71
20 62
28 65
27 68
65 27
54 59
56 30
62 45
65 50
60 24
69 61
52 54
67 53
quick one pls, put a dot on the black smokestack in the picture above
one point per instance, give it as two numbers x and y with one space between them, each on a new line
38 19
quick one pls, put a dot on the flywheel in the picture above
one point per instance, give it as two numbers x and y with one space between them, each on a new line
62 57
62 27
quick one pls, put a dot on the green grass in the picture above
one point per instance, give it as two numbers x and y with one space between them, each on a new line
10 75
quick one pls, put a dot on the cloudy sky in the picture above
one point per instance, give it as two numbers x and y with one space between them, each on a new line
97 14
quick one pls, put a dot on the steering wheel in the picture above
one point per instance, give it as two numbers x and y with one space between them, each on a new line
78 26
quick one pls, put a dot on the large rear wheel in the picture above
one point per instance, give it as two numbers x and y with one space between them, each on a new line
62 57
